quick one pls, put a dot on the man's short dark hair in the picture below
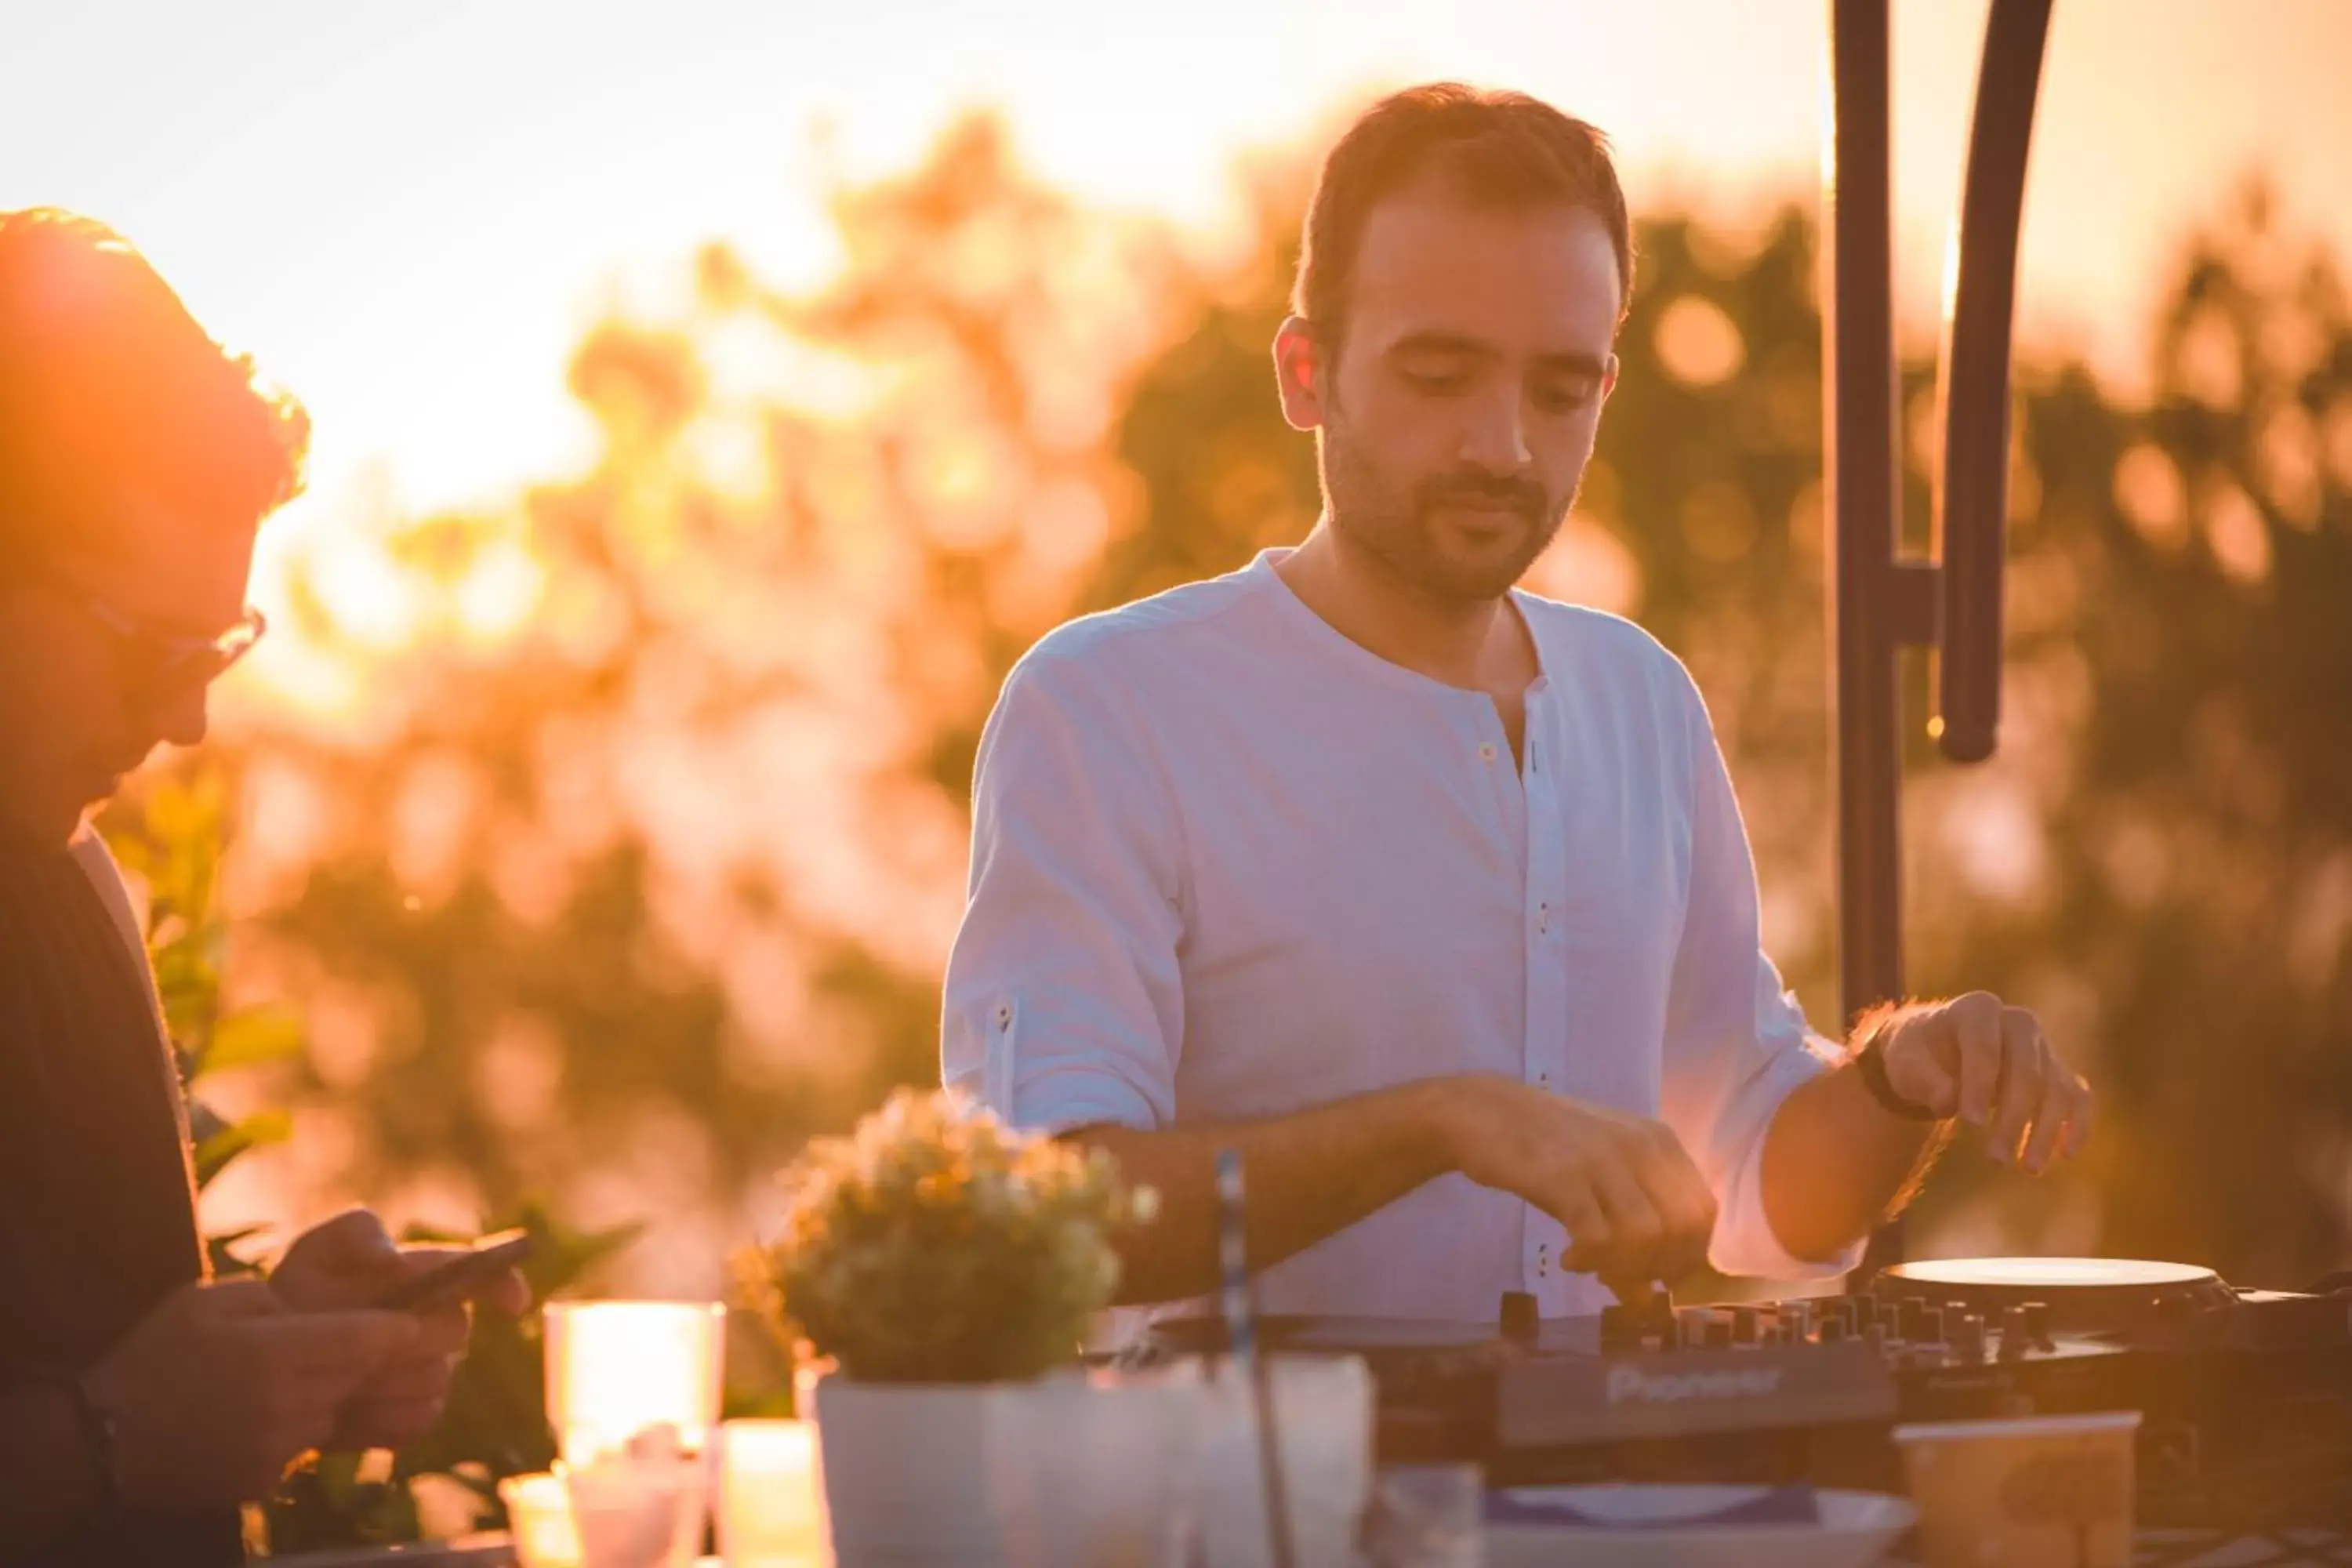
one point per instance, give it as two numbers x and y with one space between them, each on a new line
108 385
1505 148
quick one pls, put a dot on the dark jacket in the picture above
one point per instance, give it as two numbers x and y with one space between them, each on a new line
98 1219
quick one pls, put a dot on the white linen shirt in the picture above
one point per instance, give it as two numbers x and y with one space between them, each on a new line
1227 864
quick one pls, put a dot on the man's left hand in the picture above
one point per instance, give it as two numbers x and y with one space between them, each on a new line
349 1262
1987 1063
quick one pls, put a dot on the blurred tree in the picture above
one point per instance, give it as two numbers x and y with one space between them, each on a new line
638 860
632 861
2181 668
2161 860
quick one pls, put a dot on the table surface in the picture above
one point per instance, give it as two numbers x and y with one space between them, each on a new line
2157 1549
2212 1549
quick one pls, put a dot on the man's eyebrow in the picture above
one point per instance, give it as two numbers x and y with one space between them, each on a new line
1570 361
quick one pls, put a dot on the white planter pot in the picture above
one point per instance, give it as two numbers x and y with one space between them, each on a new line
905 1471
1090 1471
1096 1470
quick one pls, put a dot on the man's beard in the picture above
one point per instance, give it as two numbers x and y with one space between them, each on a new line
1399 524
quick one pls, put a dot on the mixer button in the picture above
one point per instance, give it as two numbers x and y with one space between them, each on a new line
2037 1322
1618 1328
2012 1333
1743 1325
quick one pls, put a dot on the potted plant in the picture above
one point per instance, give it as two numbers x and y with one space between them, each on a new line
940 1261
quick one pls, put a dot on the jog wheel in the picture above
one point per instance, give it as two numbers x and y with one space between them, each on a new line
2083 1294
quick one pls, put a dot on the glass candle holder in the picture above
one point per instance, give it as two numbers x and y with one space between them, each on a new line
619 1372
771 1510
539 1514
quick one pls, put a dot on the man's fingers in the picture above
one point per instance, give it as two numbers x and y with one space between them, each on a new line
509 1293
345 1262
2079 1117
354 1238
314 1428
244 1298
331 1347
1577 1209
1975 1042
296 1414
1637 1230
408 1379
2023 1057
441 1332
1685 1204
2049 1118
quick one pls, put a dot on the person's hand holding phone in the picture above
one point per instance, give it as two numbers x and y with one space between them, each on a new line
220 1386
352 1262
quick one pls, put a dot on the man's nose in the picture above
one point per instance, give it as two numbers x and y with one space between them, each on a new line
1496 439
180 717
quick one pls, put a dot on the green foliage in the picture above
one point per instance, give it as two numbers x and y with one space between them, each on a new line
171 839
935 1244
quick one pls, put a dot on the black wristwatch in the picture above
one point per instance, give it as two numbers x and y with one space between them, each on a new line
1871 1062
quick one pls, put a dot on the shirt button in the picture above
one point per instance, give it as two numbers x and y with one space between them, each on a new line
1486 752
1543 917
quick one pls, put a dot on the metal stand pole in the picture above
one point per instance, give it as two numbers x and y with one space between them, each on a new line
1877 604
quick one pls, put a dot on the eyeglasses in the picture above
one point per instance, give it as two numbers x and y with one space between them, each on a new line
159 664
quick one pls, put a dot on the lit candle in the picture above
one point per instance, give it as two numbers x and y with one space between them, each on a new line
770 1509
619 1370
538 1513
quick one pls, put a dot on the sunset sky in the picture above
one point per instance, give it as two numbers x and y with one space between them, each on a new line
409 212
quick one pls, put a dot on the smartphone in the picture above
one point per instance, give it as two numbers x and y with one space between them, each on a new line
458 1278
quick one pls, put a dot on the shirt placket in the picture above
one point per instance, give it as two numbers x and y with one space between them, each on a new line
1544 1051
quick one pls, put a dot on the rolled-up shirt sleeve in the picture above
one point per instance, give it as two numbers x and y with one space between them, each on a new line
1735 1041
1065 1003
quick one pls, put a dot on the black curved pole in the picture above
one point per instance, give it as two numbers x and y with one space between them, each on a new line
1863 501
1972 393
1878 603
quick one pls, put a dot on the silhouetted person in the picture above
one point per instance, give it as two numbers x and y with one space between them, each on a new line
140 1401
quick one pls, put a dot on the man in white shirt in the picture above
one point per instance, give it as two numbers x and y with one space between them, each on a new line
1429 895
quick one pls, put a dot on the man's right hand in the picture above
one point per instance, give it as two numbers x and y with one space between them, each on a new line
220 1387
1635 1207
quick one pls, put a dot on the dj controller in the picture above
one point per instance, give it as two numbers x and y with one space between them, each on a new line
2245 1395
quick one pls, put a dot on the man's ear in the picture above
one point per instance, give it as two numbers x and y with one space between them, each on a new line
1608 379
1299 372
